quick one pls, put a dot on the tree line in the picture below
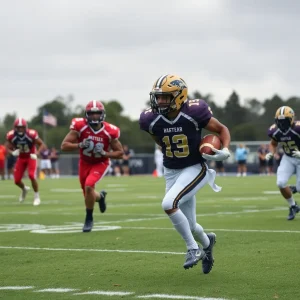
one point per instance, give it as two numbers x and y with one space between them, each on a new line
247 121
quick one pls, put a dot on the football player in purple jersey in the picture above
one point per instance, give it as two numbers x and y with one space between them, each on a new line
286 133
175 124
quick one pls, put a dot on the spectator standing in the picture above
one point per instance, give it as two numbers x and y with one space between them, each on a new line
125 161
45 165
262 152
54 157
241 154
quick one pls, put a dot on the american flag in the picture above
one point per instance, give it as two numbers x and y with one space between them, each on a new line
49 119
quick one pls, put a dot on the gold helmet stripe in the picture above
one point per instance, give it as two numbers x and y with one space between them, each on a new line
160 80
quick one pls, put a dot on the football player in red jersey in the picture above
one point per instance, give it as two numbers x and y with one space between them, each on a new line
98 141
21 142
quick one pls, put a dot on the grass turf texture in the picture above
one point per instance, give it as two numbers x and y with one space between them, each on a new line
139 252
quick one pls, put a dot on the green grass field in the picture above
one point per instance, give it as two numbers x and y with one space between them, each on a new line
134 252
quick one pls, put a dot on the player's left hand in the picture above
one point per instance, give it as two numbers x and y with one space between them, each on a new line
220 155
33 156
99 149
16 152
296 153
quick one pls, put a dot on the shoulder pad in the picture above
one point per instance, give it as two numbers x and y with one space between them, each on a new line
199 110
10 134
77 124
146 118
112 130
32 133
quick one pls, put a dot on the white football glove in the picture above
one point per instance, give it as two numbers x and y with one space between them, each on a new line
16 152
269 156
85 143
296 153
220 154
33 156
99 149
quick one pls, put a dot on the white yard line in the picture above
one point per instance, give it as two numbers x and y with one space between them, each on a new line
91 250
218 229
16 288
56 290
108 293
183 297
59 212
105 293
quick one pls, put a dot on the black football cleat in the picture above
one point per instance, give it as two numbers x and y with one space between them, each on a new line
192 257
88 226
293 189
208 260
102 204
293 210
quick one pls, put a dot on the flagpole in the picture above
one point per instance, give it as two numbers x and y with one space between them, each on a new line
44 128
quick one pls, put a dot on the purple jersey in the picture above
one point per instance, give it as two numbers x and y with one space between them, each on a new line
290 140
262 151
45 154
179 138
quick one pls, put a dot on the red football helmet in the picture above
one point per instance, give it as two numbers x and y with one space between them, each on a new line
20 126
95 112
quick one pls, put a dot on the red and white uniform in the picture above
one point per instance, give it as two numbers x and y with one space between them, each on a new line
26 145
92 166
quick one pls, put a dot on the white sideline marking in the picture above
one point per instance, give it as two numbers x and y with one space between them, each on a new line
91 250
58 290
147 197
7 196
16 287
71 229
220 229
107 293
167 296
271 192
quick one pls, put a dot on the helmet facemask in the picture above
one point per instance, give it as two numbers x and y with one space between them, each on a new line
20 130
284 124
94 118
163 109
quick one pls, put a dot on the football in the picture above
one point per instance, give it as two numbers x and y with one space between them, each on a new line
208 142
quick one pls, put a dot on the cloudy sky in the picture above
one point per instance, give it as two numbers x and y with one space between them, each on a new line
97 49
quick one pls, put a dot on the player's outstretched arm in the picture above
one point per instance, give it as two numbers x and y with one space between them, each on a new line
217 127
70 142
41 145
272 148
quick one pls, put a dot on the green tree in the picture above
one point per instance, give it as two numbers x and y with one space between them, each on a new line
9 120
